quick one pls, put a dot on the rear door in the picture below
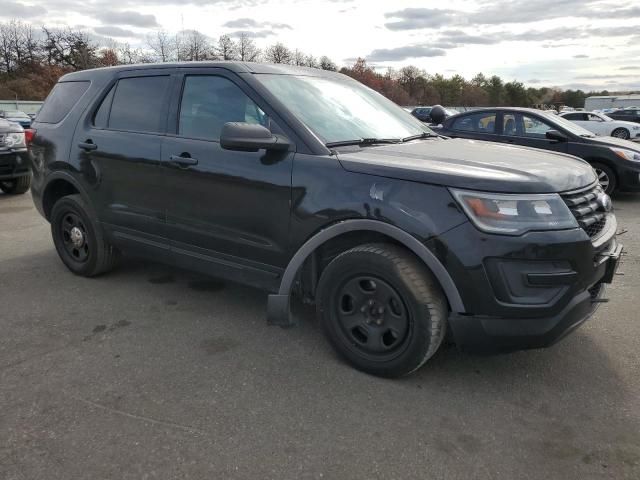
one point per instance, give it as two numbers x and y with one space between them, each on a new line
476 126
118 150
529 131
229 210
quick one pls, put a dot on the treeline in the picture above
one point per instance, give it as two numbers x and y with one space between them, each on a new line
32 60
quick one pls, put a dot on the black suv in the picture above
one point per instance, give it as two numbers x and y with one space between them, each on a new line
14 159
300 181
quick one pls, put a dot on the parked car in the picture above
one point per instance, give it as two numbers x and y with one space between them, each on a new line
14 159
628 115
616 161
16 116
601 124
302 181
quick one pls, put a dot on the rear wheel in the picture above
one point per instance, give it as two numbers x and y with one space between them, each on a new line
79 239
621 133
16 186
381 309
606 177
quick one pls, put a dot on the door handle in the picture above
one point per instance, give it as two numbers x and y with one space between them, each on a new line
183 160
88 145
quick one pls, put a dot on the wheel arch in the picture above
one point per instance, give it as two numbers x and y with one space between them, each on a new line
278 304
60 184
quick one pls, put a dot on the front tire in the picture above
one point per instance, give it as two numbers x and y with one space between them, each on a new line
79 239
16 186
606 177
382 309
621 133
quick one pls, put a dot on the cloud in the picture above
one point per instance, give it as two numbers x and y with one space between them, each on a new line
253 33
127 17
251 23
417 18
582 55
112 31
402 53
19 10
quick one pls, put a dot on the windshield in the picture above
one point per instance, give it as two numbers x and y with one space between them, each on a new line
605 118
340 111
568 125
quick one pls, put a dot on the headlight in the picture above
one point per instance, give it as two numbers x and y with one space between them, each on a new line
626 154
13 140
515 214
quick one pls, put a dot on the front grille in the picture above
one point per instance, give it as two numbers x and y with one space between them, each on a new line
588 212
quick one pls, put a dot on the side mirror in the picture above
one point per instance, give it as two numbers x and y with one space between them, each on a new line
556 136
249 137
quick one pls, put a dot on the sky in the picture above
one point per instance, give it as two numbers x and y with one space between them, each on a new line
587 44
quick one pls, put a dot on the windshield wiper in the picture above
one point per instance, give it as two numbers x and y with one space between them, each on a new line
422 135
362 142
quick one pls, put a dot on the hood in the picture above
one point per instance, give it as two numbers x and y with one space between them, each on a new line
615 142
474 165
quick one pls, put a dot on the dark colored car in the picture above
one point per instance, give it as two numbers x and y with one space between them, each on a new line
16 116
627 115
616 161
300 181
14 159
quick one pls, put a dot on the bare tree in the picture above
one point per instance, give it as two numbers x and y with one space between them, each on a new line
298 58
311 61
227 48
194 46
327 64
246 49
278 53
162 45
70 48
18 46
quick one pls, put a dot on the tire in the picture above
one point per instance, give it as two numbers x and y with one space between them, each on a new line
88 256
621 133
16 186
381 309
606 177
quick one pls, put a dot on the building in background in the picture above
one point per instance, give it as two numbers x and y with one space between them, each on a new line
611 101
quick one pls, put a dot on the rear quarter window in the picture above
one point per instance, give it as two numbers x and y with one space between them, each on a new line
138 104
61 100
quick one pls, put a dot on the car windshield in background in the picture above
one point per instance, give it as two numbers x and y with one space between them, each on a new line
568 125
340 111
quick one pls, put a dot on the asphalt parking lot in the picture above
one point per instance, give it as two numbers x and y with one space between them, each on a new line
154 373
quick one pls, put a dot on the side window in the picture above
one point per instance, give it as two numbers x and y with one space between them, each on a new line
479 122
509 125
101 117
138 104
61 100
574 116
534 127
594 118
208 102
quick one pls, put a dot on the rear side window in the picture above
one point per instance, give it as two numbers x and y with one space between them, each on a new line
138 104
101 118
479 122
61 100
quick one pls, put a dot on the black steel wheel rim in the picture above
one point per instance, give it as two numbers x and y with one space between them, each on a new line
372 317
74 237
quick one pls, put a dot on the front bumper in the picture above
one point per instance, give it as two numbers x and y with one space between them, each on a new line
13 164
525 292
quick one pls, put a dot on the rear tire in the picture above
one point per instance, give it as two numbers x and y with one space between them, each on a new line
606 177
16 186
79 239
621 133
382 309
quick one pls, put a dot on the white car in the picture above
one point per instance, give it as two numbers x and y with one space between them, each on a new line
600 124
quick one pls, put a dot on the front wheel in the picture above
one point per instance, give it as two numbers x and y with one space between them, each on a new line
16 186
621 133
606 177
381 309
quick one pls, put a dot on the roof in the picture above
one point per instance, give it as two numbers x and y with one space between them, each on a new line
238 67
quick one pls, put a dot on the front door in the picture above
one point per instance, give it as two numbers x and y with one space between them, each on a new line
529 131
227 211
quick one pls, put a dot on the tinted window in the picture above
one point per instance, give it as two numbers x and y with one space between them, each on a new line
574 116
208 102
479 122
138 104
101 118
533 127
509 124
61 100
